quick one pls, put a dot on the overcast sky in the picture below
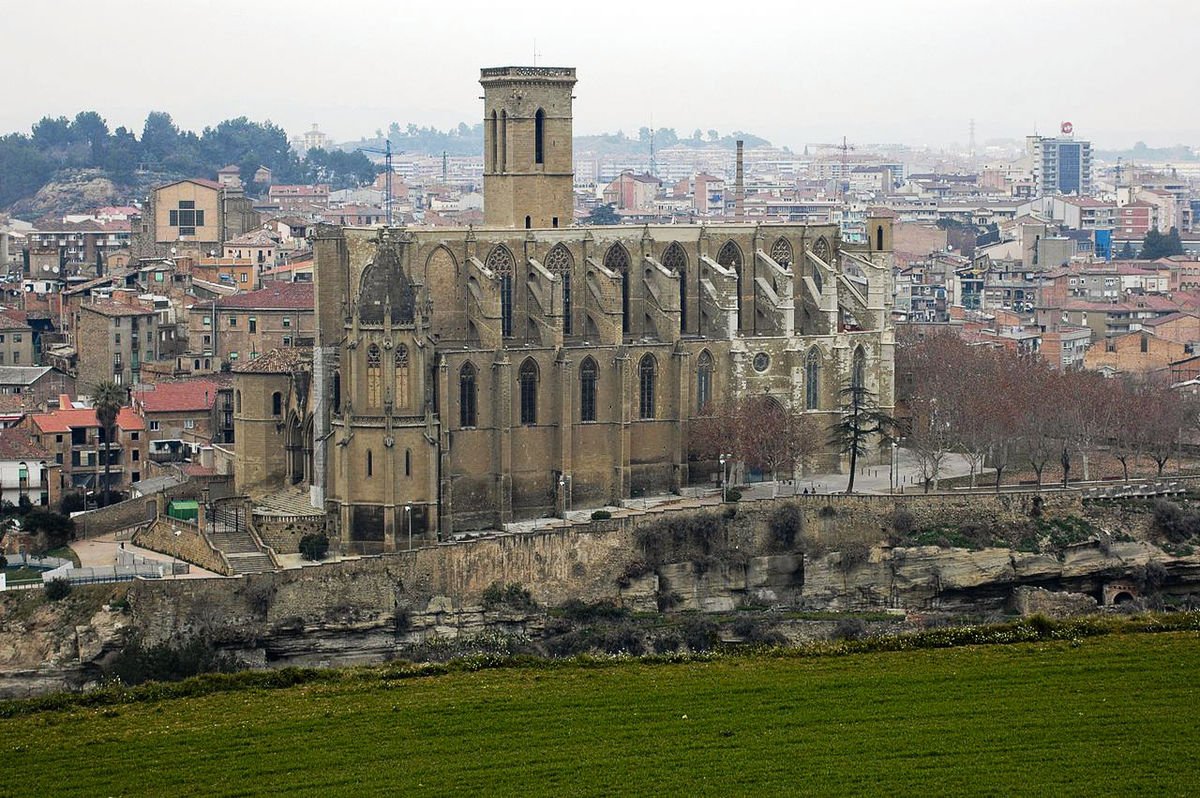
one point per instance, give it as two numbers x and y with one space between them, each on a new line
794 72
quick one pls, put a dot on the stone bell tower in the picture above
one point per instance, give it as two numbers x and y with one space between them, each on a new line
528 173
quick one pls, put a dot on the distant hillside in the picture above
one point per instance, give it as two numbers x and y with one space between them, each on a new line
1140 152
465 140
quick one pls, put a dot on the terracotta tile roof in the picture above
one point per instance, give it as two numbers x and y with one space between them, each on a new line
277 296
176 396
277 361
18 444
63 420
110 307
11 318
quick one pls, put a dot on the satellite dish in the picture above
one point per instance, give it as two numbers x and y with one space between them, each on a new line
54 269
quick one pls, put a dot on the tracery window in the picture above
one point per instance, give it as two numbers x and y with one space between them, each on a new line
528 378
858 374
587 390
821 249
704 373
467 396
812 379
617 259
559 261
647 371
402 385
781 252
374 376
500 261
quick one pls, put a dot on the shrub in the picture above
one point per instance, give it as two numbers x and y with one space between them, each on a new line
733 495
583 612
58 589
699 632
850 629
3 561
513 596
1150 577
667 643
71 503
785 524
903 522
49 530
314 546
679 538
1174 523
622 639
853 555
137 663
634 570
601 515
757 631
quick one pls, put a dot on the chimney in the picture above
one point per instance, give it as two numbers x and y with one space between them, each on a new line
739 190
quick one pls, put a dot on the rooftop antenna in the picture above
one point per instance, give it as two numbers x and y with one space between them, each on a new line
535 52
653 164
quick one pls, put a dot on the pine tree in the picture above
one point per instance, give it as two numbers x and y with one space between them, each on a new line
860 421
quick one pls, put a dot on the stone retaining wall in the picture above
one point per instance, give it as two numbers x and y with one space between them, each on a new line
189 545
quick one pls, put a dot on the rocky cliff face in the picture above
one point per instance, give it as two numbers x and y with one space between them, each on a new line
377 608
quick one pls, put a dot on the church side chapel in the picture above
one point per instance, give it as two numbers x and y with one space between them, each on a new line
466 378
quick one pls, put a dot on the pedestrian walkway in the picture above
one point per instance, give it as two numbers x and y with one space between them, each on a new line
103 551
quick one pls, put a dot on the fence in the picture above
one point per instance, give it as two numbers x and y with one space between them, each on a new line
174 566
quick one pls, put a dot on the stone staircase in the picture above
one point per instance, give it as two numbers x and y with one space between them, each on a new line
228 533
292 501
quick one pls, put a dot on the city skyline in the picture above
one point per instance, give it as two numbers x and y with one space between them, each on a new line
909 75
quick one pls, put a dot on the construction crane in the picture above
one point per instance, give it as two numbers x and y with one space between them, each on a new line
386 152
845 147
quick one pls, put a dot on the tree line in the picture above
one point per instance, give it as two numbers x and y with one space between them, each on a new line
1002 412
27 162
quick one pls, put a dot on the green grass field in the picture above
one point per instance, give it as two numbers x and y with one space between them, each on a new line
1107 715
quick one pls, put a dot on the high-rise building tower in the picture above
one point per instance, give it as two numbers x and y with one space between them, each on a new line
1061 165
527 148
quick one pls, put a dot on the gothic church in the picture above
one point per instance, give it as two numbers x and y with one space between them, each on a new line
464 378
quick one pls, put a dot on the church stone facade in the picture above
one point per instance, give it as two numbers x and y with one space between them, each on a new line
464 378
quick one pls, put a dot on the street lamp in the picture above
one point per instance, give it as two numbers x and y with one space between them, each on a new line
723 459
562 493
408 512
892 469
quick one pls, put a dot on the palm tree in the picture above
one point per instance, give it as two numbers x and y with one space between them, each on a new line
107 399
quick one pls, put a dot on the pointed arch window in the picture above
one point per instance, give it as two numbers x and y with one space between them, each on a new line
676 260
337 391
560 262
730 256
528 379
588 374
374 376
617 260
370 464
647 372
500 261
539 136
467 395
492 140
812 379
858 374
781 252
402 381
704 375
503 145
879 238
